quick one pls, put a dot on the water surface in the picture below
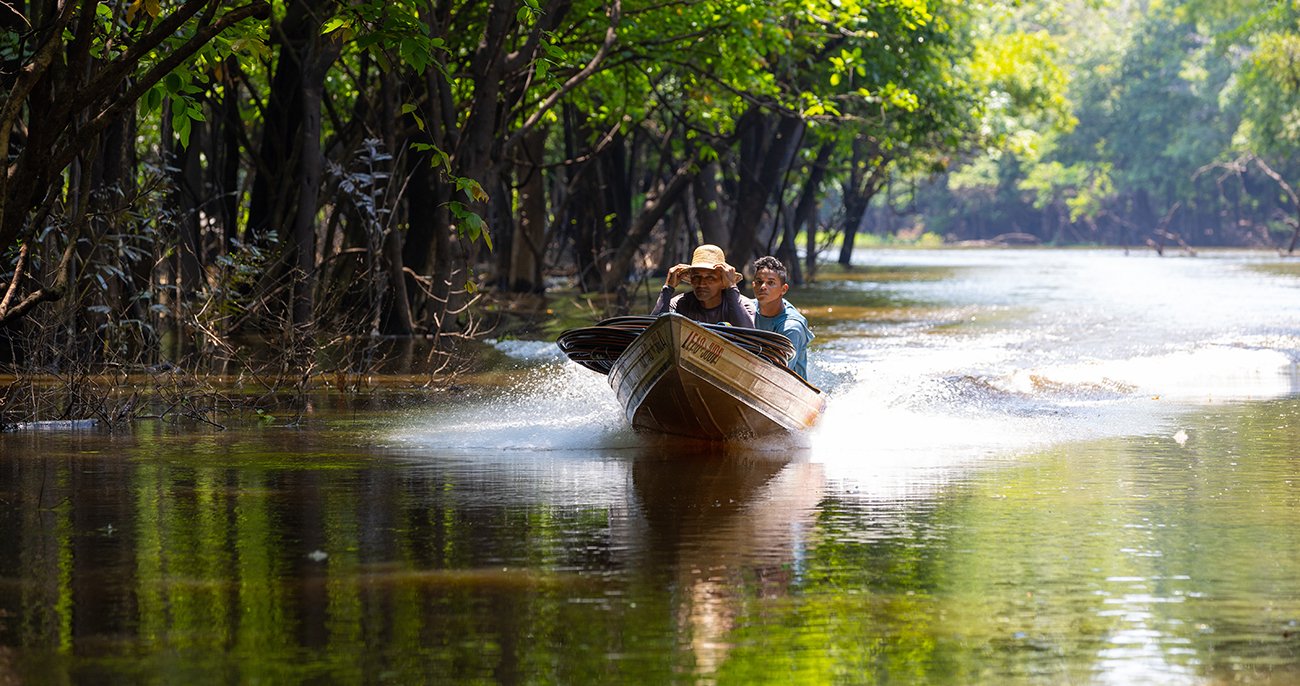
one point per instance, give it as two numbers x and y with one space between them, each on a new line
1038 467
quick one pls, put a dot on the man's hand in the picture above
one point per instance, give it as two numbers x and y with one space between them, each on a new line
728 274
676 273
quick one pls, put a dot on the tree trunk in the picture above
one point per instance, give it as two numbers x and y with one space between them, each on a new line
708 205
226 169
766 149
322 52
805 217
866 177
187 180
582 216
618 267
399 321
290 164
525 274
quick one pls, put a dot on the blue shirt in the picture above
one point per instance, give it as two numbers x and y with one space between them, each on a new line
793 326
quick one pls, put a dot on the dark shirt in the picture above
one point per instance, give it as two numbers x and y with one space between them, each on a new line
734 309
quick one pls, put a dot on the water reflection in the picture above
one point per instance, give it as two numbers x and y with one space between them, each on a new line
977 507
236 555
271 555
726 529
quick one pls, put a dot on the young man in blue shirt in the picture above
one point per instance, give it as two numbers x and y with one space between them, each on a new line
775 313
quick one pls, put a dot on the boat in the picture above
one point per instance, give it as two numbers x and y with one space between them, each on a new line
677 376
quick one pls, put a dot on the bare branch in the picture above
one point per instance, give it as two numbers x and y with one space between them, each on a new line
45 294
19 268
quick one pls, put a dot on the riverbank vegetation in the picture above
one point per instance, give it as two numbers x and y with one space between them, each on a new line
272 194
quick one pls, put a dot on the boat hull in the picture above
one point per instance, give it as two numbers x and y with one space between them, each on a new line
679 378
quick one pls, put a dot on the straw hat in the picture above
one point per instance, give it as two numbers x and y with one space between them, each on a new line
707 257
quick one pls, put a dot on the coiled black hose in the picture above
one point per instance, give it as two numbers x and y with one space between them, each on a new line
596 347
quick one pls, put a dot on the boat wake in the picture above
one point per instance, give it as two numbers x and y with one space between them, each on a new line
1082 346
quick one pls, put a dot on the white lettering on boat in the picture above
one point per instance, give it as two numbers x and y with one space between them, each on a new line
652 353
657 345
707 350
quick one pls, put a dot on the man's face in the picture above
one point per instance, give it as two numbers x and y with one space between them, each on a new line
768 287
707 284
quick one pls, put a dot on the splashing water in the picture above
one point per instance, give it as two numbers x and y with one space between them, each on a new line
1018 349
1030 348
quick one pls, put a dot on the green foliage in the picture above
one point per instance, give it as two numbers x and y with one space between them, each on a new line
1271 88
1082 189
1115 111
1027 90
392 32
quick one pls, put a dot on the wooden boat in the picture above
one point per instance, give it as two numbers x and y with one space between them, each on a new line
676 376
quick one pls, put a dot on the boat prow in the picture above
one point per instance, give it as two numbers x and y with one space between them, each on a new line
679 377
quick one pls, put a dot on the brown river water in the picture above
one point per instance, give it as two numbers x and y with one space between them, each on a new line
1037 467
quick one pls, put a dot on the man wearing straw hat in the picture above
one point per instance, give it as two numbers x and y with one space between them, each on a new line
713 298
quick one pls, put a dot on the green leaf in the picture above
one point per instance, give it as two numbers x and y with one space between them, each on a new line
153 99
334 24
415 53
183 130
471 225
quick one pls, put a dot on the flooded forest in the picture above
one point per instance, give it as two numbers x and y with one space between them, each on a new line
281 399
288 196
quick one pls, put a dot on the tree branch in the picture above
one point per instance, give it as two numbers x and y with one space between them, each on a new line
28 77
155 74
19 268
611 37
54 292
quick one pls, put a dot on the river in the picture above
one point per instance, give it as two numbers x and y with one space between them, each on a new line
1037 467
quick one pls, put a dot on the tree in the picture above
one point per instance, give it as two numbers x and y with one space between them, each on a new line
80 69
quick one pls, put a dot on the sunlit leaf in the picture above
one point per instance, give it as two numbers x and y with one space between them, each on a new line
334 24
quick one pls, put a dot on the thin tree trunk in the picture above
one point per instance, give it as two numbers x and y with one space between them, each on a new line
708 205
187 178
227 167
400 322
525 274
765 155
290 163
805 216
866 177
619 266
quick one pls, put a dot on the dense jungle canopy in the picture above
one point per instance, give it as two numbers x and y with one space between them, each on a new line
179 175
